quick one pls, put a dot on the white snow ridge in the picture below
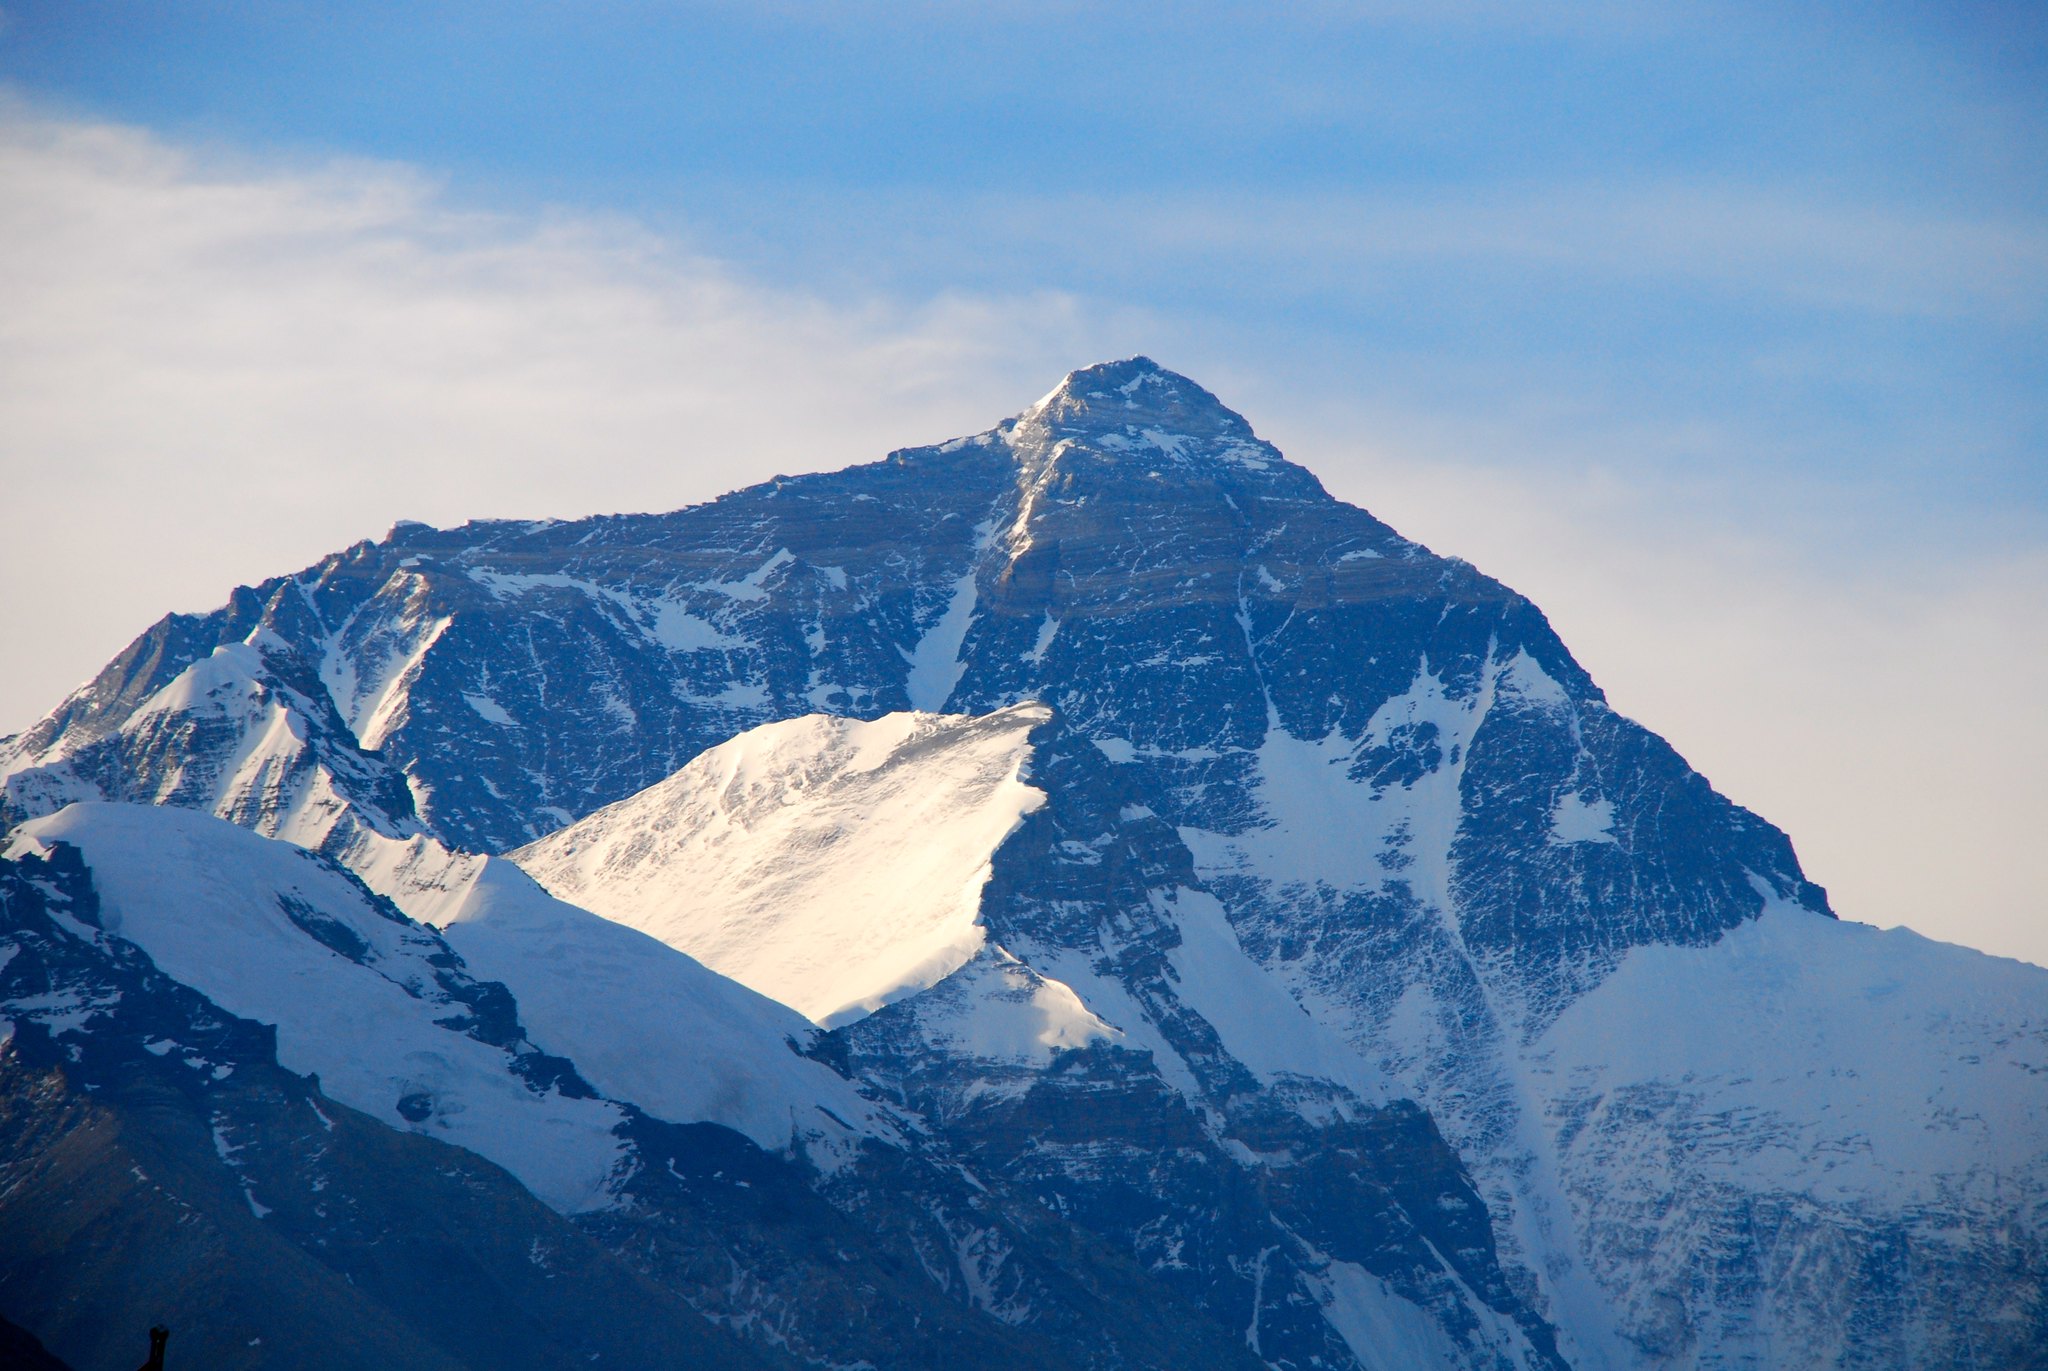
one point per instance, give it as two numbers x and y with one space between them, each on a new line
832 864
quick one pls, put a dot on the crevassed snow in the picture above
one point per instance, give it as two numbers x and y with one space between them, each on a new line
212 905
831 864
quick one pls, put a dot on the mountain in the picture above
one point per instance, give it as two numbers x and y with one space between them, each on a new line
389 1016
1077 1057
1202 897
224 1208
161 1166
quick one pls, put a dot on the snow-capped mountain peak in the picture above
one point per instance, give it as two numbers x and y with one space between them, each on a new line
1237 886
1135 413
1137 390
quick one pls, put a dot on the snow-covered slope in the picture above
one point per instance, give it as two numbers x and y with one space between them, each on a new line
158 1161
157 1158
1861 1114
366 999
646 1023
375 1005
1137 999
831 864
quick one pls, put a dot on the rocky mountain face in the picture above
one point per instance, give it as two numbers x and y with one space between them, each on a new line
1336 972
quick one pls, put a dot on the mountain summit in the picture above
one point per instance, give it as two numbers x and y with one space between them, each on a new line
1127 399
1218 930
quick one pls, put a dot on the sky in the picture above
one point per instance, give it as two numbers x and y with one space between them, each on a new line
1716 329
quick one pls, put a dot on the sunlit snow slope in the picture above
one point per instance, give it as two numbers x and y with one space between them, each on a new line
644 1022
832 864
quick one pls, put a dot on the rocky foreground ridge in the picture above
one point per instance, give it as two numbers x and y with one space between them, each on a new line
1073 896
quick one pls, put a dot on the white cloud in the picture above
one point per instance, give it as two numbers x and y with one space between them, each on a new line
211 371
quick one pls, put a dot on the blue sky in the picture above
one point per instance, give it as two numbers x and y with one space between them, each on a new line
1719 329
1819 222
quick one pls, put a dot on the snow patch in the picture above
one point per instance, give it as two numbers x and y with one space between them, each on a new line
1047 631
1383 1330
752 585
1321 824
1259 1022
935 663
373 714
996 1008
489 709
1579 820
678 630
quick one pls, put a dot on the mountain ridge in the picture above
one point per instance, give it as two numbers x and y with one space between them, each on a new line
1297 770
